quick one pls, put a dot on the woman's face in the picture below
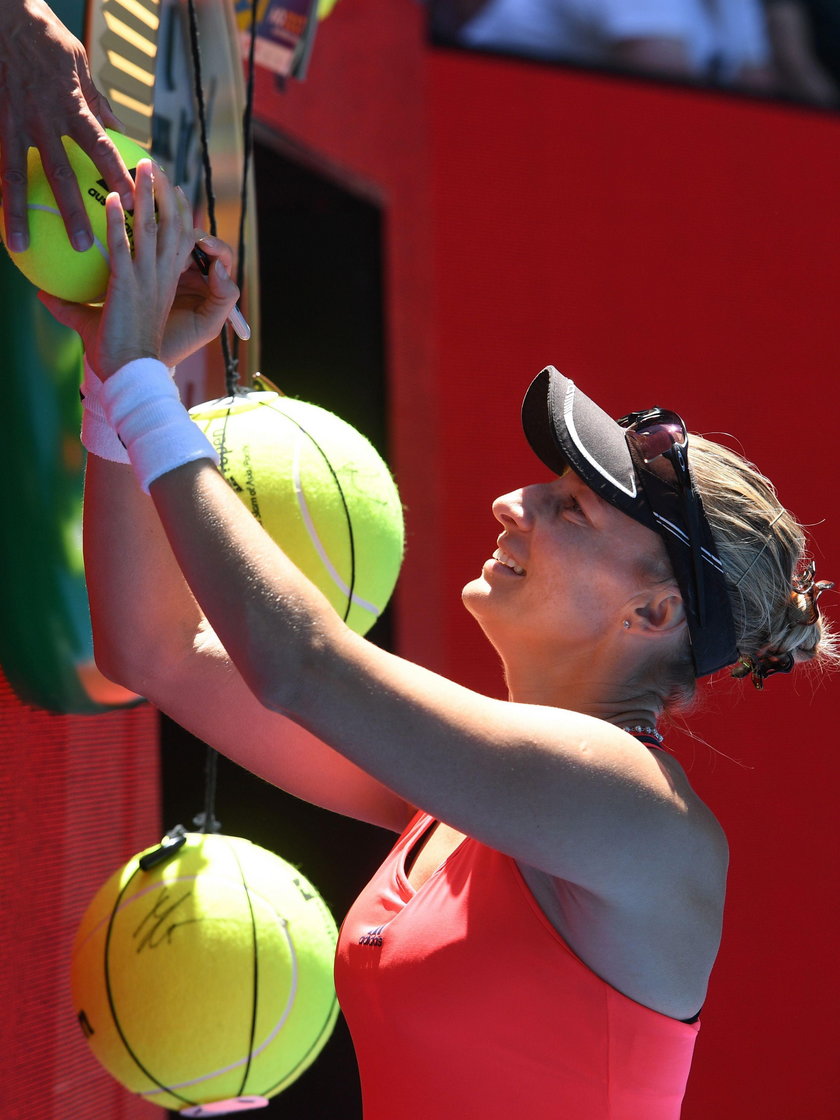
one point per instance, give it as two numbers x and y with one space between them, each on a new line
566 571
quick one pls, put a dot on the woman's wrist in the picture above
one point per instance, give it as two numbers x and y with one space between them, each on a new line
111 365
142 405
98 435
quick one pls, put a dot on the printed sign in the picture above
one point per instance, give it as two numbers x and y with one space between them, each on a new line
284 34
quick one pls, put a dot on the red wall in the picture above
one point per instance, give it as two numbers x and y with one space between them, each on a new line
79 796
666 247
662 246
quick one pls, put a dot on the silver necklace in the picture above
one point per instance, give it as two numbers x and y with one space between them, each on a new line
637 729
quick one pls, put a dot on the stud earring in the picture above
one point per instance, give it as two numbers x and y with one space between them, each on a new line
626 624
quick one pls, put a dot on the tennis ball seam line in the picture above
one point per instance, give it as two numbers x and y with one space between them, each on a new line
317 1042
112 1004
317 543
255 991
97 244
348 519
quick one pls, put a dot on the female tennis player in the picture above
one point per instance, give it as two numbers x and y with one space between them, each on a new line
540 939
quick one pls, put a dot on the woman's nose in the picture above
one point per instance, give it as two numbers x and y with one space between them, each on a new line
522 507
515 510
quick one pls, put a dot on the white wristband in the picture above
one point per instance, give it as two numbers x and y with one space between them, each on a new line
97 434
141 404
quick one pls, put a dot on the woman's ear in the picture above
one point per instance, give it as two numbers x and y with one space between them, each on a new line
662 612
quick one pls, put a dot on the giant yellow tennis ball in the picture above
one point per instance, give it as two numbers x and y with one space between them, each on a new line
51 262
207 978
320 490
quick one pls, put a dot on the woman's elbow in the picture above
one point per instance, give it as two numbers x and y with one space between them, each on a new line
127 661
289 679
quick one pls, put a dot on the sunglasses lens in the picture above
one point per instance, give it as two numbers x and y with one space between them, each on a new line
659 438
654 439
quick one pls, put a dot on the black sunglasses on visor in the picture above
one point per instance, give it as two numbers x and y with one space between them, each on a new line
640 465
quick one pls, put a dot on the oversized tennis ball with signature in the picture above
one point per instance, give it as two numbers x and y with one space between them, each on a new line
204 984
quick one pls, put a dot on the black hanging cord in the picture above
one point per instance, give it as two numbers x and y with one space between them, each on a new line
206 821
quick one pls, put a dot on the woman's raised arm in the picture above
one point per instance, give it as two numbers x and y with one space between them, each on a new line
561 791
150 635
564 792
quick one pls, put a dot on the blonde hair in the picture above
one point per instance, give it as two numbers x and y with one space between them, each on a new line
763 549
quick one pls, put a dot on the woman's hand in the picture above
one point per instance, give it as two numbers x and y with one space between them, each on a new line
158 303
202 303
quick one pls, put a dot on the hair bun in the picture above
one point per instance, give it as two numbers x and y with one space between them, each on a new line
806 591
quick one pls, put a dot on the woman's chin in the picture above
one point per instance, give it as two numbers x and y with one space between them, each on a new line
474 592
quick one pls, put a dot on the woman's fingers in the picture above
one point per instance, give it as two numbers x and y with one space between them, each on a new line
162 232
145 222
143 285
174 218
119 249
219 296
215 249
222 286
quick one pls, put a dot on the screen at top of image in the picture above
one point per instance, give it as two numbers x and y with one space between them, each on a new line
785 49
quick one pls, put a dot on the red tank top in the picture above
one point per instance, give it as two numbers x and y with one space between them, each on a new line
463 1001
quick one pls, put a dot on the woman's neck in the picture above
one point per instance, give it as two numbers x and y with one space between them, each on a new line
585 692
